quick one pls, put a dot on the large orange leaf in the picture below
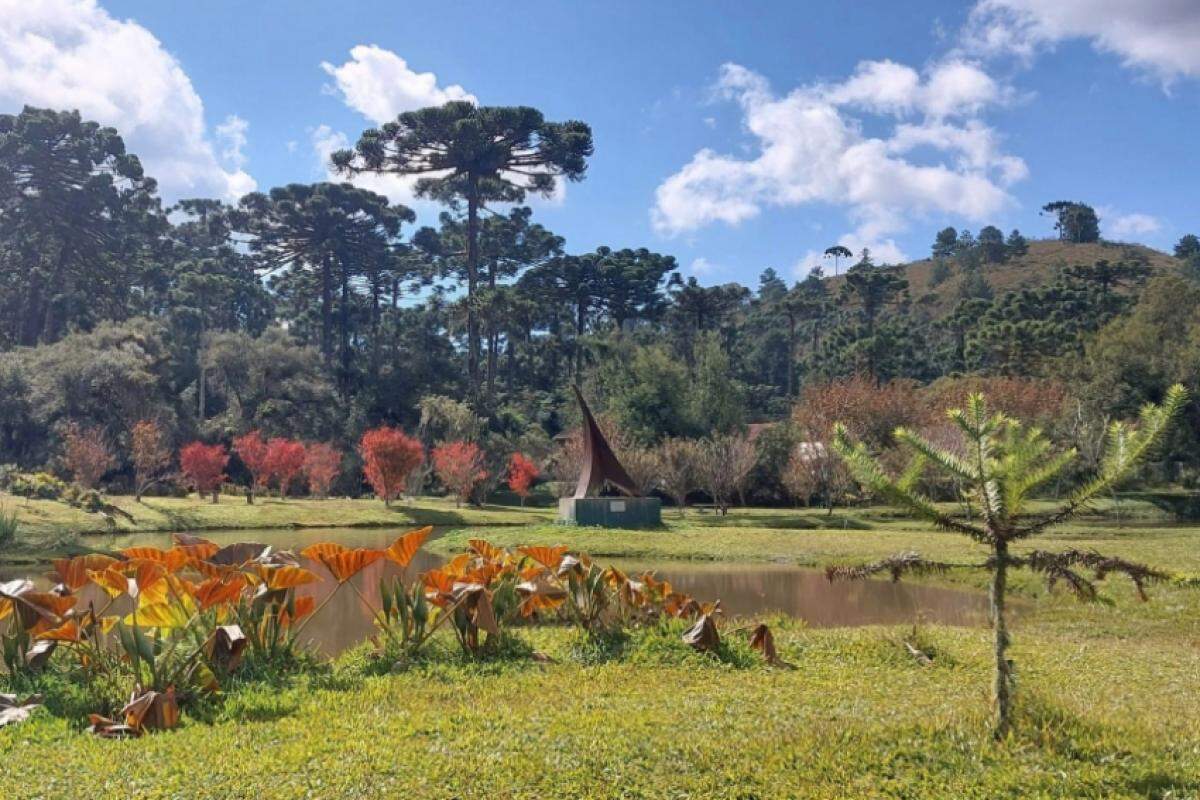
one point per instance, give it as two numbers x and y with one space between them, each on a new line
439 586
219 591
171 560
6 608
549 557
195 546
111 580
73 572
406 546
321 550
67 632
286 577
348 563
303 607
487 550
458 564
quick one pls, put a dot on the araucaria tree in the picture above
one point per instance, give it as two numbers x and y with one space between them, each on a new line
999 464
204 466
389 455
150 454
86 455
477 155
459 465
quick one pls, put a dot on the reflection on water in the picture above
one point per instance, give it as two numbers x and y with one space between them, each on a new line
744 589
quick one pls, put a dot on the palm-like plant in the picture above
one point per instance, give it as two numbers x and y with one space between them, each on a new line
1000 464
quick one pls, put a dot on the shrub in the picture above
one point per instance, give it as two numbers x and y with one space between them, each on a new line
252 451
204 466
285 460
38 485
150 454
521 474
322 465
86 455
388 455
459 465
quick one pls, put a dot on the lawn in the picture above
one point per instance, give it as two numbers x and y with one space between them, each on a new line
49 525
1108 698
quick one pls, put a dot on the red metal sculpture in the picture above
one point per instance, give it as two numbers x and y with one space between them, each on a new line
600 464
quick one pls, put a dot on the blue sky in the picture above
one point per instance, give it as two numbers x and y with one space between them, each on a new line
734 136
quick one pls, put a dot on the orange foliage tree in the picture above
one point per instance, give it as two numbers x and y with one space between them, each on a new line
150 454
252 450
459 465
285 460
388 455
870 411
521 474
86 455
204 466
322 465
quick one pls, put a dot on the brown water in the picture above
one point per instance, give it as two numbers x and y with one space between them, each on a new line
744 588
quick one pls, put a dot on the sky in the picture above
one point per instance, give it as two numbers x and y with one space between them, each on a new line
734 136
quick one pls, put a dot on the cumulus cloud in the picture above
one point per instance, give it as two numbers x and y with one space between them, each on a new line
379 84
1127 226
810 148
1158 36
702 266
71 54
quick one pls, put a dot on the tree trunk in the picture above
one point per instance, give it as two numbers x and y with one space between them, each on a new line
791 356
472 280
344 324
216 494
327 309
1002 676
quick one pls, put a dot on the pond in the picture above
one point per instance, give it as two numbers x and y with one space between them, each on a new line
744 588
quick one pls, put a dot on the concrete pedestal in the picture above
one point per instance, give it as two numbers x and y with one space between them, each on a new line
611 512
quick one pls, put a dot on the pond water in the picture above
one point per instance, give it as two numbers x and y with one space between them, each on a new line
743 588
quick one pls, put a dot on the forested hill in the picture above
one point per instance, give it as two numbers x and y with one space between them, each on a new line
1041 265
318 311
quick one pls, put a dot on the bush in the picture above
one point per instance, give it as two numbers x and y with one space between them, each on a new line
38 485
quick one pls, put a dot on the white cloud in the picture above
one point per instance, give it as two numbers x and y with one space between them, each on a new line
1127 226
1158 36
702 266
232 134
379 84
809 149
71 54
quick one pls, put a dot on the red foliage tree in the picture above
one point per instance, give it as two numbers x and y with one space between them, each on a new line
285 460
389 455
521 473
252 450
204 466
322 465
151 456
459 465
86 455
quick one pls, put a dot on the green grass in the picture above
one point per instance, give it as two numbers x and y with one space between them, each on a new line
48 526
1108 698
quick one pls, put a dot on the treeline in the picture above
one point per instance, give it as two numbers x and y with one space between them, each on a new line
317 312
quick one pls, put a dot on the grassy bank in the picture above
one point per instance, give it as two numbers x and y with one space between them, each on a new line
1108 695
48 526
1103 716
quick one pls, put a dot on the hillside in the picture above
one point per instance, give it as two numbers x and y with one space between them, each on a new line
1037 267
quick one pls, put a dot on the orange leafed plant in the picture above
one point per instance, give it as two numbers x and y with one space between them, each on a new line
406 545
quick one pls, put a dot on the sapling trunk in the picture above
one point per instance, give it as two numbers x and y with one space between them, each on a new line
1002 670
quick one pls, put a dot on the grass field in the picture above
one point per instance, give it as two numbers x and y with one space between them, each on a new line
1108 698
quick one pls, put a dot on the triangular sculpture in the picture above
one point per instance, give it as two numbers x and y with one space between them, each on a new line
600 464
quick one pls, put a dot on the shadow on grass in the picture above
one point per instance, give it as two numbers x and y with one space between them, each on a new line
783 521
